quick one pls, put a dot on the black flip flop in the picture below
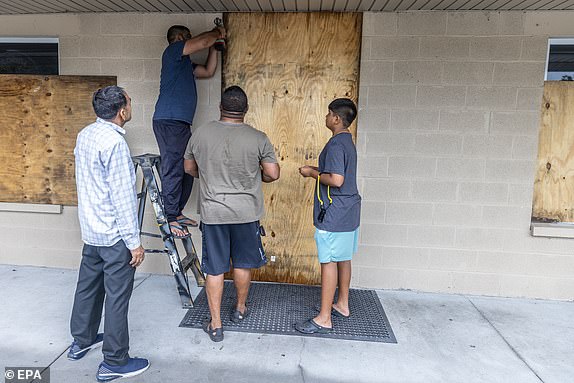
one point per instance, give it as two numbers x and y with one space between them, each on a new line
185 221
339 314
311 327
237 316
215 334
174 226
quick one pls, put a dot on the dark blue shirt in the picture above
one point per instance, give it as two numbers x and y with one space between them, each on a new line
177 92
339 156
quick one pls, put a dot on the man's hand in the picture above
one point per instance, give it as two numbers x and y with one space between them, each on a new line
222 32
308 171
138 256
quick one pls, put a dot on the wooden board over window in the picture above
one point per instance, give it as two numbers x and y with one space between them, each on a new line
41 117
292 65
554 181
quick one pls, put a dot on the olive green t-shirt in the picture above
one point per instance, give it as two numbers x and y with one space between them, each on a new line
228 156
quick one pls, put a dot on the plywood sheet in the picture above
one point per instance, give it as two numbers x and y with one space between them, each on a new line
41 117
292 65
554 181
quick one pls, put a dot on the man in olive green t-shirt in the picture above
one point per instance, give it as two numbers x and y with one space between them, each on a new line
231 160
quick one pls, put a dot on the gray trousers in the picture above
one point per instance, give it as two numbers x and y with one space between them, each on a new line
105 272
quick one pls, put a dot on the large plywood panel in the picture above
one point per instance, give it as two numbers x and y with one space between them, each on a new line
41 117
554 181
292 65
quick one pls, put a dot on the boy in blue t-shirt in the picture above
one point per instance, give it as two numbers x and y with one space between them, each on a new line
336 215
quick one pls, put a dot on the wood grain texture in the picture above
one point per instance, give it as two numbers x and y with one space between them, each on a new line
41 118
291 66
554 181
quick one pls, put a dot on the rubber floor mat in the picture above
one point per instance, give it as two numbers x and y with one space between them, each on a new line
274 308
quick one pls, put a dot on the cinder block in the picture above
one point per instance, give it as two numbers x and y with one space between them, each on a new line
433 191
408 213
505 216
452 259
141 92
530 99
491 98
417 72
412 167
520 195
152 69
439 281
89 23
202 86
473 23
124 69
534 48
526 286
373 119
417 280
414 119
405 257
40 25
440 96
79 66
461 168
475 238
201 22
519 171
476 283
373 167
438 144
101 46
519 240
445 47
370 256
69 46
394 48
464 121
363 101
432 236
157 24
422 23
516 123
501 262
122 24
512 23
484 193
561 288
378 278
557 23
143 47
525 147
375 72
379 234
495 48
457 215
389 143
487 146
468 73
138 115
520 74
373 211
379 24
386 190
402 96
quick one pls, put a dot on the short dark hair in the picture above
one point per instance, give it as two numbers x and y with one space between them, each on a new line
234 99
108 101
175 30
344 108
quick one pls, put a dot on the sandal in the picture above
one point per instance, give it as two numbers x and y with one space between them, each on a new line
339 314
237 316
311 327
185 221
180 228
215 334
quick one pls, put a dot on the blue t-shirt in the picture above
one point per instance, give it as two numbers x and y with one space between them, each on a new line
177 92
339 156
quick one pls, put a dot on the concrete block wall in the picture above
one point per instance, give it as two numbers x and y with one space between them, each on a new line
447 141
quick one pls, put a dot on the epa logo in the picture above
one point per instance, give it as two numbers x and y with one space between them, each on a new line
26 374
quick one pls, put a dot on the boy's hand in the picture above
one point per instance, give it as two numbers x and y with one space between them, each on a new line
307 171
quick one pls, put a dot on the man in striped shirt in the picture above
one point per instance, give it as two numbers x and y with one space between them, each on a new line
107 209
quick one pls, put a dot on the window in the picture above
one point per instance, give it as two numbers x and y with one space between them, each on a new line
29 56
560 60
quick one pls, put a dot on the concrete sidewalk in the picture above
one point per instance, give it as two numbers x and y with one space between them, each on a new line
441 338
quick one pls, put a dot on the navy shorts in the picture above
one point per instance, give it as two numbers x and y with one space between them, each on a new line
239 243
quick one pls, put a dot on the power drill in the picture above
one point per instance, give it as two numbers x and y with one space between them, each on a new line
219 43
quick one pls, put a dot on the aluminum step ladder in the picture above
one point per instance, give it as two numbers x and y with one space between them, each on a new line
150 166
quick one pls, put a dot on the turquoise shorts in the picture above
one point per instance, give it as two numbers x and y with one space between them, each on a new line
336 247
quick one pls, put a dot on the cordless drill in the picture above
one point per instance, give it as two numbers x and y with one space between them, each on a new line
219 43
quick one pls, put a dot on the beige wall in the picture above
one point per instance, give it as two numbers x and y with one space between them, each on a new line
447 141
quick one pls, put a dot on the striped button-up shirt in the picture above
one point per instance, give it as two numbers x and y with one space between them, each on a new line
105 180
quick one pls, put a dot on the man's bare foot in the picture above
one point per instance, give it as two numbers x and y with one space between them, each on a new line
177 230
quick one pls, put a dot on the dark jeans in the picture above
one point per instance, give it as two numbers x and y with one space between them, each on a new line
172 137
104 272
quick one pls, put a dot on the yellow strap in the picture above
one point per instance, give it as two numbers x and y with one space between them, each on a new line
319 191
